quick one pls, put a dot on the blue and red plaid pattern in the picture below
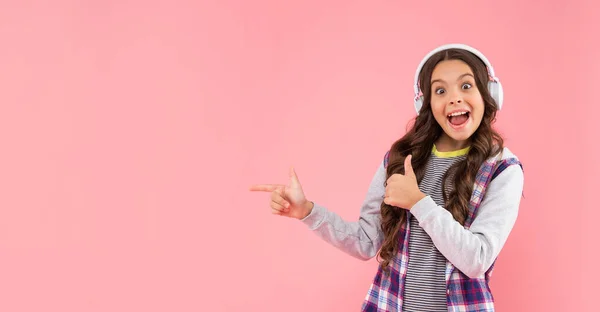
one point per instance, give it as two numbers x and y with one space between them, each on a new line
464 294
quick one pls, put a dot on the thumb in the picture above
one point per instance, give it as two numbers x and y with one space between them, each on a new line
408 169
294 181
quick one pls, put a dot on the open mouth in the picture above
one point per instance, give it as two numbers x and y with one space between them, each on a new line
458 119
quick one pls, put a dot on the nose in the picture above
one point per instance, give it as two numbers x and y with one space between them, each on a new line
455 98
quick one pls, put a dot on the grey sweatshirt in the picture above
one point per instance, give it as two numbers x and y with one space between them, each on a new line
472 250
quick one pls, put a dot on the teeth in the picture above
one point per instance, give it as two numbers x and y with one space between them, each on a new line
457 114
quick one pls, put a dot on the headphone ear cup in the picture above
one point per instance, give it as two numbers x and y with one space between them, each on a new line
492 90
418 103
495 89
500 94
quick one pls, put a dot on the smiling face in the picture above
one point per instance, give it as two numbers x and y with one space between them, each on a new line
456 103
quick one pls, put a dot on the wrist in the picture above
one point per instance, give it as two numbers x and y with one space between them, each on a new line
308 207
418 198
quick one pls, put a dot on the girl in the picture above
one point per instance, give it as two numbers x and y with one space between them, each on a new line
443 200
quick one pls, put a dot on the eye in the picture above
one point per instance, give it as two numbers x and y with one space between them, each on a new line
467 86
439 91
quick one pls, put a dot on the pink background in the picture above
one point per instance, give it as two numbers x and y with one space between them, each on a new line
131 131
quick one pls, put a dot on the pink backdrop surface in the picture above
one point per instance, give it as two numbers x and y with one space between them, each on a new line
131 131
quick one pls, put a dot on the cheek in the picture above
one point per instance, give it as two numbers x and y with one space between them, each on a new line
477 105
438 110
478 111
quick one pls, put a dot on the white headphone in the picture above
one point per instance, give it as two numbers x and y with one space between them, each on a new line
494 86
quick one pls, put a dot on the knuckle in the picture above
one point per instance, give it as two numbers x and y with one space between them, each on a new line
275 196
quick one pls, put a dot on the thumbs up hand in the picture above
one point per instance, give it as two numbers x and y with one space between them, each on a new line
402 190
287 200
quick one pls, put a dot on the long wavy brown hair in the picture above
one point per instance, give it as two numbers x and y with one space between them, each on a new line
419 141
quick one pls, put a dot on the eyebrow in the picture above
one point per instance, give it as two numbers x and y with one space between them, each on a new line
459 78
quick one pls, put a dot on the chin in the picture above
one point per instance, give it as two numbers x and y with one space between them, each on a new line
460 138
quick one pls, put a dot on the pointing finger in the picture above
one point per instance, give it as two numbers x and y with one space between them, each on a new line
265 187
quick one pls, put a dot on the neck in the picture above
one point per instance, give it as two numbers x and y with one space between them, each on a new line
447 144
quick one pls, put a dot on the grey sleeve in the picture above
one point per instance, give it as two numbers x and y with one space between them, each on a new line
361 239
473 250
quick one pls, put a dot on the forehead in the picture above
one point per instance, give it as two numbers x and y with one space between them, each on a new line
450 70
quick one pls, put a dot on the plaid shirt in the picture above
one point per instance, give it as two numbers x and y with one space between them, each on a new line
464 294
